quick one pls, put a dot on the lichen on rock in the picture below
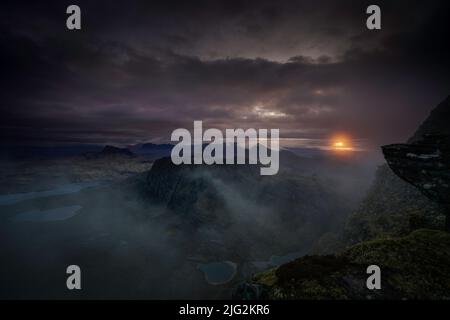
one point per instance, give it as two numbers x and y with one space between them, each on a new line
413 267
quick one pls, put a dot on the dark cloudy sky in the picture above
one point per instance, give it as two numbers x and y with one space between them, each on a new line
139 69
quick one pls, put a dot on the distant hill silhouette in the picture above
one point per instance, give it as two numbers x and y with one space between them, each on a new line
32 152
153 146
111 150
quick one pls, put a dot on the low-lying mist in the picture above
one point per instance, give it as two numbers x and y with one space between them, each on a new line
154 233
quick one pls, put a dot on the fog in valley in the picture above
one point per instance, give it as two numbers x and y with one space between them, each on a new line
140 227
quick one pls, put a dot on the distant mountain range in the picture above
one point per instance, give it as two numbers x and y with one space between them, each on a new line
150 147
48 152
110 151
31 152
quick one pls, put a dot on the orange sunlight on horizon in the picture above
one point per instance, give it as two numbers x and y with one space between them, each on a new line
341 143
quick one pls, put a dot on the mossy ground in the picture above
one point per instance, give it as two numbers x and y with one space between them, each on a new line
415 266
392 208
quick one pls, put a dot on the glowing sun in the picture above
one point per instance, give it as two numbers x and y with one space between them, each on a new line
340 144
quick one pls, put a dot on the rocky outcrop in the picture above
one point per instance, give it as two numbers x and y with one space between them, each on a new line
300 205
186 189
394 207
410 270
384 231
426 165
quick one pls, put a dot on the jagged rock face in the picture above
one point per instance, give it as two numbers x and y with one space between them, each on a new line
393 206
205 193
425 164
184 189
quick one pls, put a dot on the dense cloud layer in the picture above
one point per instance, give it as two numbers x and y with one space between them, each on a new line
138 70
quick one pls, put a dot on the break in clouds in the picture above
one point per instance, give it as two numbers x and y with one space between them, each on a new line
139 70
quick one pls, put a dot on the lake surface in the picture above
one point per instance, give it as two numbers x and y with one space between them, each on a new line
217 273
57 214
279 260
8 199
276 261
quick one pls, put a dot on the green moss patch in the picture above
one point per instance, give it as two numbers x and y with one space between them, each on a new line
416 266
